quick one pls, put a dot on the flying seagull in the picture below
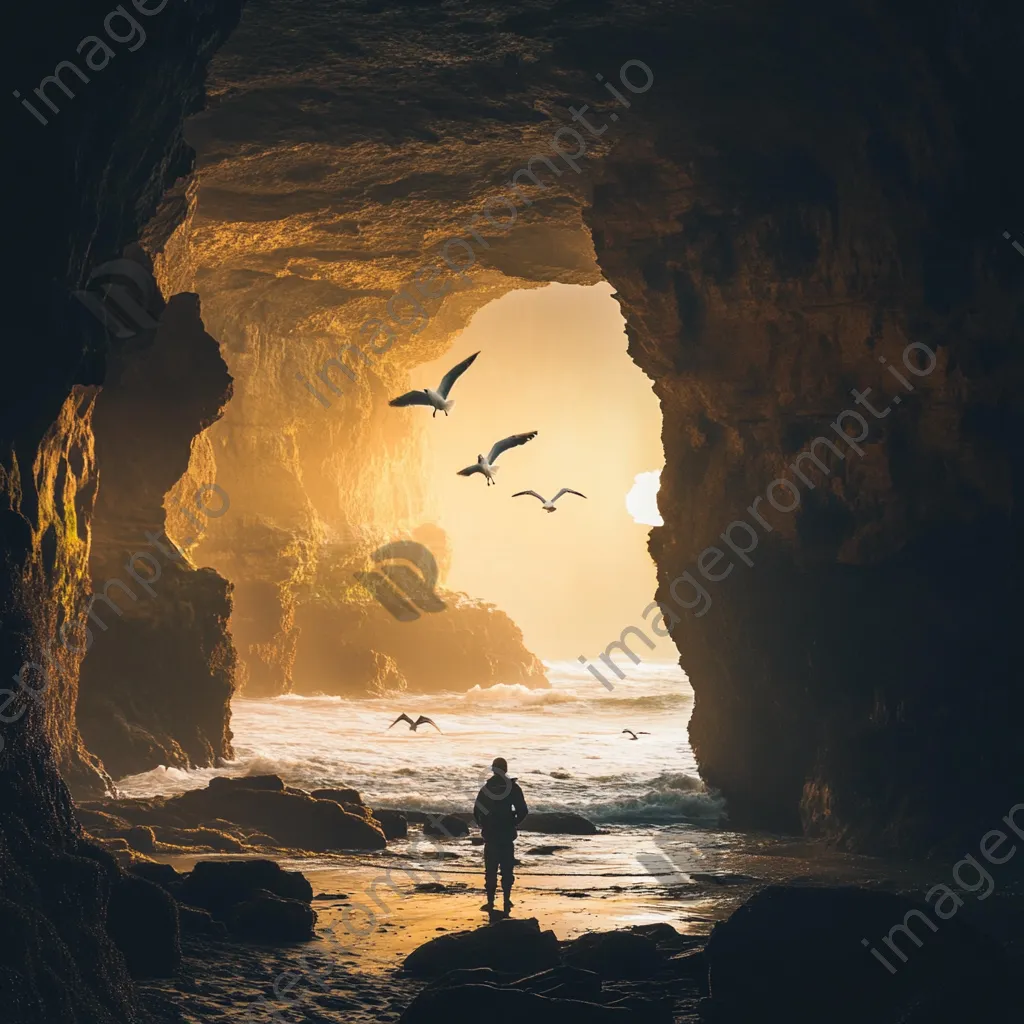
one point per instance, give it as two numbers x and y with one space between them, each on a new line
549 506
414 725
633 735
486 466
437 399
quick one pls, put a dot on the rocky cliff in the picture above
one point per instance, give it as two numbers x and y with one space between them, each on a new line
85 183
819 249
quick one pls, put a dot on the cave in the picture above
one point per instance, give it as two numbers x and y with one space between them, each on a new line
261 222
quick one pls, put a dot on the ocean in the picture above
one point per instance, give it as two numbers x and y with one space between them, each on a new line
564 744
665 849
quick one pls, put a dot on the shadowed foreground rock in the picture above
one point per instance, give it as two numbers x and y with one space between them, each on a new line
218 885
485 973
142 919
255 900
509 945
787 953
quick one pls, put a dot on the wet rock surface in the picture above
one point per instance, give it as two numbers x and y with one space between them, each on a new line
509 944
250 813
558 824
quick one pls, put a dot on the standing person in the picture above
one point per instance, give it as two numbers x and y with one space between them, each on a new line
499 809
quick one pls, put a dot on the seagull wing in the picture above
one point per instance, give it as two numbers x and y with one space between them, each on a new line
400 718
631 733
454 374
566 490
470 470
519 494
411 398
429 721
509 442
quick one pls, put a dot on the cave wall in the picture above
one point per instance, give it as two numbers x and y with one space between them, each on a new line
83 185
158 675
831 214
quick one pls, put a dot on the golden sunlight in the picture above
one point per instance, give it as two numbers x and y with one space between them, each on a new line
553 360
642 500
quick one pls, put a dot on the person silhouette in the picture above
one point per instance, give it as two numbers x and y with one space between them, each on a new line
499 810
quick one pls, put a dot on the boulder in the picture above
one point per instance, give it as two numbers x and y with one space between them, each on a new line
510 944
789 951
228 783
394 824
291 819
339 796
509 1006
449 827
219 885
264 917
142 920
558 824
615 955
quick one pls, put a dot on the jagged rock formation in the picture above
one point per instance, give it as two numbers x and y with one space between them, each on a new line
84 185
157 679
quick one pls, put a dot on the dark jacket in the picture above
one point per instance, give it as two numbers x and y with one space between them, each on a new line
500 807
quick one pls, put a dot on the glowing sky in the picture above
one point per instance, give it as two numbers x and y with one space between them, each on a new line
553 360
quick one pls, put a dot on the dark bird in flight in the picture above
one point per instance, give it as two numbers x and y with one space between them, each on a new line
438 399
633 735
414 725
486 466
549 506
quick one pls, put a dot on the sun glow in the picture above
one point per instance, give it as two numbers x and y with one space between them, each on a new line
642 500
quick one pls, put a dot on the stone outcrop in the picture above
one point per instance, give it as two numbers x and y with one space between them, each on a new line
232 813
157 679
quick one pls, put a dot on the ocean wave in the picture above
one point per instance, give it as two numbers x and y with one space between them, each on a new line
516 693
661 807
